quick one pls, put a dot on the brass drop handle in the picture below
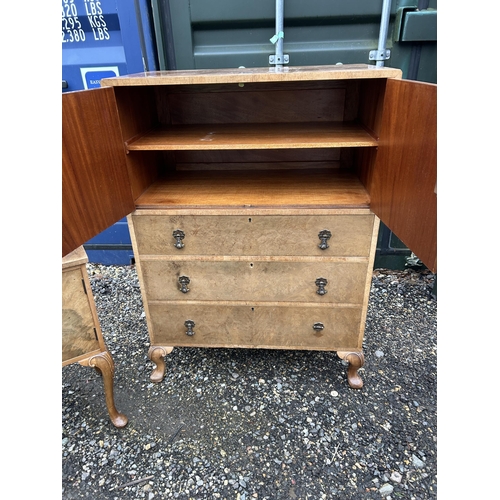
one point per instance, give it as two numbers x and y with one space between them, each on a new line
321 283
179 236
324 236
317 327
184 282
189 324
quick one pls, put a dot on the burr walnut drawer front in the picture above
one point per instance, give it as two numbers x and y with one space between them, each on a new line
254 279
266 326
274 235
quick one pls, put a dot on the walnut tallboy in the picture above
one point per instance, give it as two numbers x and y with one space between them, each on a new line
82 340
254 196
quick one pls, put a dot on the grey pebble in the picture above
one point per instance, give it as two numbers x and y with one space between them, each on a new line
396 477
386 489
417 462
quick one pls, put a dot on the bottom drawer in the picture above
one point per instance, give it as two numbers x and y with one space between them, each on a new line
273 327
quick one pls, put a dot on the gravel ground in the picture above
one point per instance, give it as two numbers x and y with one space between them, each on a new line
258 424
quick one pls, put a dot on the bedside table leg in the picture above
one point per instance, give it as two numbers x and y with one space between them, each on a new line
356 360
104 364
156 354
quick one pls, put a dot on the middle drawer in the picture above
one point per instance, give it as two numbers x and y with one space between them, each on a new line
255 280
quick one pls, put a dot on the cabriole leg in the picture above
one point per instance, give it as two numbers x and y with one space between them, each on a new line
103 363
356 360
156 354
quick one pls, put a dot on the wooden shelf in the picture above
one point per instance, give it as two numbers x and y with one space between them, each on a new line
254 136
308 188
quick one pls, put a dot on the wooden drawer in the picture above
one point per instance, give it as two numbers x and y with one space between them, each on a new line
254 279
256 326
259 235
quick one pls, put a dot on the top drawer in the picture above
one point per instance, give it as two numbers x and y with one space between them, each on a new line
280 235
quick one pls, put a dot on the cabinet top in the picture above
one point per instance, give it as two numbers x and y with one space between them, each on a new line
249 75
75 258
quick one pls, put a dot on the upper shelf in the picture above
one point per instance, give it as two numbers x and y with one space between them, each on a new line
254 136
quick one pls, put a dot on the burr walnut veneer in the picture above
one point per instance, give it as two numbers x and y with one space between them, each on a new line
253 196
82 340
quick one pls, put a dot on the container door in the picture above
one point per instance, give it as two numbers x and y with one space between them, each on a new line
95 185
403 185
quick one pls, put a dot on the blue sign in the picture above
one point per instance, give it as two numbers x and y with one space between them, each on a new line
92 76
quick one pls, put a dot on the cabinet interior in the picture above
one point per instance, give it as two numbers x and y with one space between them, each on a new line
297 144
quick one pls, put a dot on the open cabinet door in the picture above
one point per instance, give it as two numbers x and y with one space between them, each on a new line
403 183
95 184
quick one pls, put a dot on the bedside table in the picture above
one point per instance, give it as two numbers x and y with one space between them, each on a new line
82 340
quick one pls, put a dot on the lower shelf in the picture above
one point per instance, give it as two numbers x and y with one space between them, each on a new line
257 188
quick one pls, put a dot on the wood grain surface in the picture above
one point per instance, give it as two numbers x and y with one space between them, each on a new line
256 280
403 183
252 235
251 188
78 335
247 75
279 106
75 258
254 136
95 184
276 157
256 326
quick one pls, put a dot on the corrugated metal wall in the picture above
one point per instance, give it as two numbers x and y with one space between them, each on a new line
193 34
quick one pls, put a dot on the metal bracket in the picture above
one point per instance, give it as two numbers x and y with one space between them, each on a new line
278 58
274 59
379 55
